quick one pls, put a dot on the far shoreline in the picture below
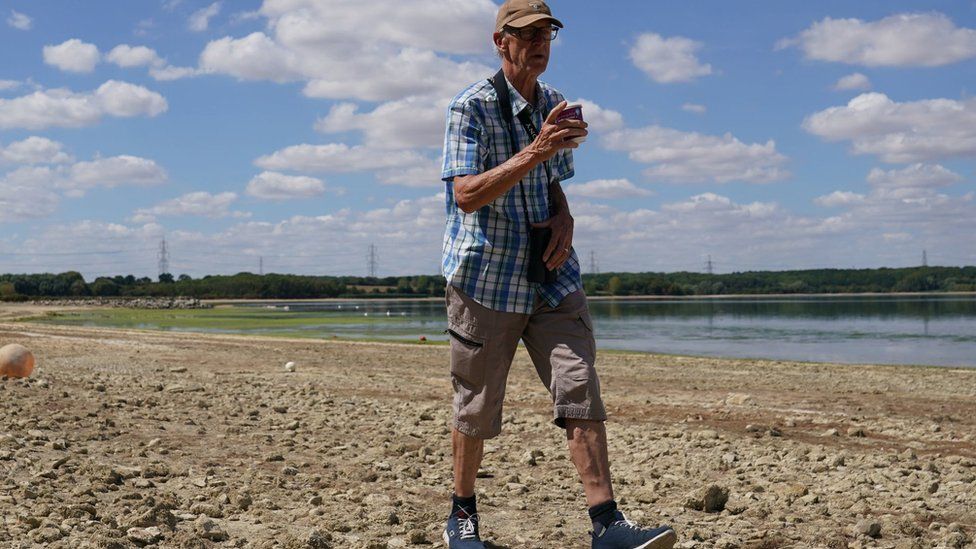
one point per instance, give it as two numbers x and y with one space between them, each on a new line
379 297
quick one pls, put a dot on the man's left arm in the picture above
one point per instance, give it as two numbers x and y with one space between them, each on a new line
561 223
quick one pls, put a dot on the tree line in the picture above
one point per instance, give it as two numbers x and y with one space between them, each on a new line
71 284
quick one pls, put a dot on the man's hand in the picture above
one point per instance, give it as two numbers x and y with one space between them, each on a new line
554 137
561 242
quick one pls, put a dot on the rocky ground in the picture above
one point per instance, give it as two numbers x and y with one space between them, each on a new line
129 439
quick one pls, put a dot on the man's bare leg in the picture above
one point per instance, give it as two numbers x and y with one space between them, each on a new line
468 452
588 449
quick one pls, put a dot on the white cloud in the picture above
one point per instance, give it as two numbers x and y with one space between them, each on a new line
196 203
126 100
453 26
115 171
277 186
72 55
23 200
321 42
856 81
694 107
599 119
914 176
64 108
422 174
34 150
127 56
668 60
404 124
919 39
900 132
9 84
18 20
200 19
169 72
32 191
839 198
688 157
254 57
337 158
607 189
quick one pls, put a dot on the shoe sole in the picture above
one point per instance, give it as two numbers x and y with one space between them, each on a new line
664 540
447 540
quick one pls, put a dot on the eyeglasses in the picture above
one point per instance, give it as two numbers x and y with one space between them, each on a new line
529 34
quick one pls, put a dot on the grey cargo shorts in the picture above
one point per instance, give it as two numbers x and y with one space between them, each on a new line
483 343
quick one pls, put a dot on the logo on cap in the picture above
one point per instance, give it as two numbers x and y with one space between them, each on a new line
536 6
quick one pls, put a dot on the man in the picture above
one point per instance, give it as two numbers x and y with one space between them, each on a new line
502 177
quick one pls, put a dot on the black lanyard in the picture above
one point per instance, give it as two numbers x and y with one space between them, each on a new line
505 105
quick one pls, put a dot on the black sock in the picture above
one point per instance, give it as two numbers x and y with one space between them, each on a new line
468 505
604 513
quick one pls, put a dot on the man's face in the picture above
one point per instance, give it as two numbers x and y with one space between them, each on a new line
531 56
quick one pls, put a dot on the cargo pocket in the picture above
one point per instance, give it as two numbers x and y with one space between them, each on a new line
468 352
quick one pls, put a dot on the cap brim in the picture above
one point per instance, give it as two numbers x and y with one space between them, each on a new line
529 19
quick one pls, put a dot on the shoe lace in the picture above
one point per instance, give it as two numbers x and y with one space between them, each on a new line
468 526
628 524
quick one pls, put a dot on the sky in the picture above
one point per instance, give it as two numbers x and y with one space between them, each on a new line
290 136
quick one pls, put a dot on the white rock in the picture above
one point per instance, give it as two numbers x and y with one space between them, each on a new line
290 367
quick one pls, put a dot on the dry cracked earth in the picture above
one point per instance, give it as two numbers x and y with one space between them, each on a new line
143 439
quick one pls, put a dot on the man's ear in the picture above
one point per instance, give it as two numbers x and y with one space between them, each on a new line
499 39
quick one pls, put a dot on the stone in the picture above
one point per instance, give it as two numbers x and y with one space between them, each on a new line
144 536
705 434
208 529
739 399
289 366
868 528
417 537
207 509
711 499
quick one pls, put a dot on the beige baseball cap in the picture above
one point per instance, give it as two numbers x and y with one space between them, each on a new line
519 13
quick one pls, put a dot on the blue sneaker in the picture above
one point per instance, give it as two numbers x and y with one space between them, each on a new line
462 532
624 534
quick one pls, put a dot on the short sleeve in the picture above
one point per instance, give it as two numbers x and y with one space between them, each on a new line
465 141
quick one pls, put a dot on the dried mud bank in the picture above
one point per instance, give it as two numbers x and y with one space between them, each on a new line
136 439
126 302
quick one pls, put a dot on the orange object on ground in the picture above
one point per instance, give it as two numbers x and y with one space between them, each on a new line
16 361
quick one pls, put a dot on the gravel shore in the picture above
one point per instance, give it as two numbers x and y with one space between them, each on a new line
150 439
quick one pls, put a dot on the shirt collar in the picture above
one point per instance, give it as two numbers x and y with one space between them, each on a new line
519 102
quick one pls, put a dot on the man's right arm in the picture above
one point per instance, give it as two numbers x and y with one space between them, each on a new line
472 192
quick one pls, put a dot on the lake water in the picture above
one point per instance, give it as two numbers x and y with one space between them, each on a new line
931 330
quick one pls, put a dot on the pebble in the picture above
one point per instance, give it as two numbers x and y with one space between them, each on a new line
144 536
868 528
208 529
417 537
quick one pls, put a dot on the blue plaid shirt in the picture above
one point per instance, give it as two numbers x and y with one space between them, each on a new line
486 252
